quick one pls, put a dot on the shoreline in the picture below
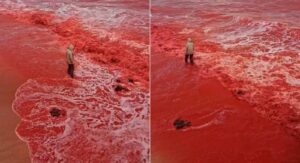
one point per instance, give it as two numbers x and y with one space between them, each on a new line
14 150
269 82
14 73
34 69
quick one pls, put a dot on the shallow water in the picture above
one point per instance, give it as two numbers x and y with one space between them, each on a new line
223 128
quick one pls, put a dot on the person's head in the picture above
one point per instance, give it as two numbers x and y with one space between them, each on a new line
189 39
71 47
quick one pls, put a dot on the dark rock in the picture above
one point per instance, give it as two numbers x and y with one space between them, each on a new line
55 112
119 88
240 92
181 124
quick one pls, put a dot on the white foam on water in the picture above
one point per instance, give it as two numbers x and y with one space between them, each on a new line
257 73
96 115
292 80
219 117
261 34
259 47
102 18
186 31
216 117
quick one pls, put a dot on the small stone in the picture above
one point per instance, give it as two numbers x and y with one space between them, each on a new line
119 88
240 92
55 112
180 124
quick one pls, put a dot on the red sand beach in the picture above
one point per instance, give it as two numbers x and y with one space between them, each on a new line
13 150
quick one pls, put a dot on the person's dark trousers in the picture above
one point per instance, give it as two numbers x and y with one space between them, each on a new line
186 58
189 57
71 70
192 58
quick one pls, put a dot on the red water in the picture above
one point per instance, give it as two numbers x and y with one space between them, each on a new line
97 123
224 129
242 95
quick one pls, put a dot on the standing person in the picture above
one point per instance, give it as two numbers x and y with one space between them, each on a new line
189 51
70 60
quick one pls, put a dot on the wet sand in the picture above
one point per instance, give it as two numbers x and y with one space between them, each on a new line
224 129
12 149
15 69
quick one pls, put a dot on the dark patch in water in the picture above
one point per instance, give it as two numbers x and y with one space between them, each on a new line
181 124
54 112
119 88
114 60
130 80
240 92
